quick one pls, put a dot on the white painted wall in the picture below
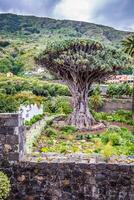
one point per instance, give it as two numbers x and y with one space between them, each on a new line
29 111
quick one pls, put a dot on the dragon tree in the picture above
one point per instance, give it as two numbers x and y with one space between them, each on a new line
80 63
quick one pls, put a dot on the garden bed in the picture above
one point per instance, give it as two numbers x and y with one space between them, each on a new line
67 140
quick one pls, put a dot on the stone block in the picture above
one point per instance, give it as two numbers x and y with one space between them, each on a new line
13 156
7 130
12 139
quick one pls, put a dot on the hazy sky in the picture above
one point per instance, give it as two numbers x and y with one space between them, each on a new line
116 13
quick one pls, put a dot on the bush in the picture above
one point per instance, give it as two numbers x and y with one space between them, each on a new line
27 98
4 43
96 101
5 186
112 137
8 104
117 90
118 116
107 151
39 91
9 89
68 129
34 120
58 105
113 128
62 105
95 90
50 132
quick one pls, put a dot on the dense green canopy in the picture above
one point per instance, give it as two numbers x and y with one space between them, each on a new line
82 56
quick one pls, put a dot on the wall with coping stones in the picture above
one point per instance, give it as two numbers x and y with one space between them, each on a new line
58 181
70 181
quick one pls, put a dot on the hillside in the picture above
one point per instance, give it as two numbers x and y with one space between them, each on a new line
27 25
21 37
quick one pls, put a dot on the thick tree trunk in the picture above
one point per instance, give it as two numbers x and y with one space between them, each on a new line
81 117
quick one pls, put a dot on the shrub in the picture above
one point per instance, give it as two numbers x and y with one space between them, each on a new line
96 101
50 132
95 90
62 105
5 186
119 90
58 105
39 91
49 106
9 89
4 43
68 129
118 116
112 137
8 104
34 120
113 128
62 90
107 151
28 98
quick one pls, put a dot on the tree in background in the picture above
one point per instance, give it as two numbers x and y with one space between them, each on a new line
80 63
128 45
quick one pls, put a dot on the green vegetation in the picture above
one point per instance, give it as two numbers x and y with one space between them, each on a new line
21 91
23 37
16 85
119 90
34 120
128 45
95 99
8 104
5 186
114 141
25 26
118 116
91 62
59 105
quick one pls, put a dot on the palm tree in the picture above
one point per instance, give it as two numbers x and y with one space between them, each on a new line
128 45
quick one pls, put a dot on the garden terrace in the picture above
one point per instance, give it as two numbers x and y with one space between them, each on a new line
59 176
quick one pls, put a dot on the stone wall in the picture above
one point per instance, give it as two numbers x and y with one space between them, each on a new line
60 180
111 105
11 136
70 181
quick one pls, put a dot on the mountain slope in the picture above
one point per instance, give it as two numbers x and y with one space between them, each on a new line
22 37
29 25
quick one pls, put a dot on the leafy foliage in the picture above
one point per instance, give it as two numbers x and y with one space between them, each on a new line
5 186
118 116
96 100
111 142
92 56
118 90
29 25
34 120
68 129
60 105
8 104
128 45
